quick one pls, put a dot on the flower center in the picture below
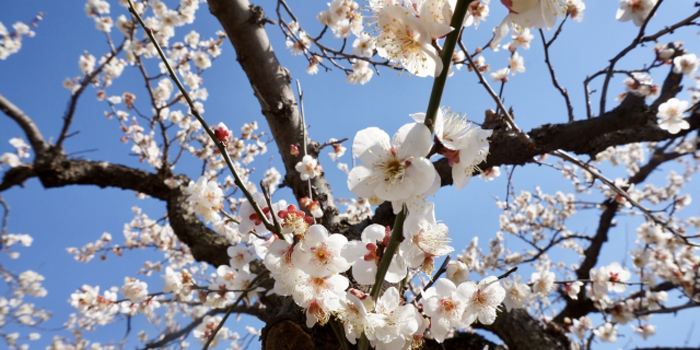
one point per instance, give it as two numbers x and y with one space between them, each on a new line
321 254
448 306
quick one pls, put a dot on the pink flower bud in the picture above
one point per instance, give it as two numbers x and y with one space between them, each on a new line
222 133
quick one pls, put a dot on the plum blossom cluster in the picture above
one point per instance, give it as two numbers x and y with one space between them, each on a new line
308 263
535 14
11 39
141 232
397 170
21 151
17 307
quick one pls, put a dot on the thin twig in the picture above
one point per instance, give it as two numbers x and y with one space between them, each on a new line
205 126
637 40
509 119
555 82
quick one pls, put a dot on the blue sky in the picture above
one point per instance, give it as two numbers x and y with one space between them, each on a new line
74 216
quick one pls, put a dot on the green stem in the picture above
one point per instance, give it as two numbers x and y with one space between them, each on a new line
391 248
447 51
384 263
339 334
219 145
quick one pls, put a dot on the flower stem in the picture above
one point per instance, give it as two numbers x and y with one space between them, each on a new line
219 145
447 51
391 248
384 263
335 324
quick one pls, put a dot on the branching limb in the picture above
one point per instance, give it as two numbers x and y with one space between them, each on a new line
73 103
36 139
555 82
637 40
276 97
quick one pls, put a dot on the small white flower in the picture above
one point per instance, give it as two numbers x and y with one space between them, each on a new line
406 39
542 282
635 10
607 332
457 272
445 304
392 172
516 63
307 167
572 289
686 64
517 293
670 116
319 254
645 330
484 301
134 290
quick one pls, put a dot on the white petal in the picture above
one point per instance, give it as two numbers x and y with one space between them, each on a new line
413 140
369 143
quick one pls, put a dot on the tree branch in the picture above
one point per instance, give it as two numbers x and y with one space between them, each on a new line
27 124
244 25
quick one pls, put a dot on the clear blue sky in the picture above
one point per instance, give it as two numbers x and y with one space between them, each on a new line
74 216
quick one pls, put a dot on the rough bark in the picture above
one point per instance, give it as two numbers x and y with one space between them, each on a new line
270 82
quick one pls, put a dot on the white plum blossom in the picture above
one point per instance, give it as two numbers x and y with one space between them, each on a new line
575 9
573 288
609 278
402 322
517 293
10 159
500 75
364 257
240 256
319 253
392 170
356 316
424 239
542 282
607 332
581 325
516 63
328 290
134 290
361 73
445 304
207 198
250 219
484 300
201 60
532 14
645 330
686 64
635 10
467 145
364 45
407 40
491 174
521 38
670 116
206 329
86 63
307 167
457 272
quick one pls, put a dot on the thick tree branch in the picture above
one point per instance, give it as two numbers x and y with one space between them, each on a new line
27 124
54 169
270 82
519 330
